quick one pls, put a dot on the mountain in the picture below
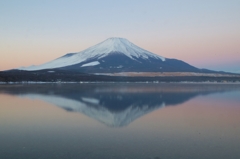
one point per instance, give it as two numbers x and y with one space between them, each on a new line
115 55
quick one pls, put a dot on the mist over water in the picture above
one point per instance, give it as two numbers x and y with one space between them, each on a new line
144 121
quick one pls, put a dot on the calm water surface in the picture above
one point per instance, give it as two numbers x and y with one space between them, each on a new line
120 121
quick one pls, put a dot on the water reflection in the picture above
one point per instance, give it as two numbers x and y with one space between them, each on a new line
115 105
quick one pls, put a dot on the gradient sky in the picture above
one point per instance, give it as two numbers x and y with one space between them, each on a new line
203 33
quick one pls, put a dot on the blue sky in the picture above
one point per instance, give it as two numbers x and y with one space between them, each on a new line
202 33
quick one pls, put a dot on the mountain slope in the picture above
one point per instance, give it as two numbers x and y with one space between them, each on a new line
118 62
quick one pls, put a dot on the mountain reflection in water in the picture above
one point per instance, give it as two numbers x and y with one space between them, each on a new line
115 105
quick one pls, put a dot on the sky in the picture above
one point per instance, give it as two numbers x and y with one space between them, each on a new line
203 33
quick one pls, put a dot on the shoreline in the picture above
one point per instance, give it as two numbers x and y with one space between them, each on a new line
117 82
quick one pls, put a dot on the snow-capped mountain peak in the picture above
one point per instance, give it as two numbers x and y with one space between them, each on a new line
103 49
118 45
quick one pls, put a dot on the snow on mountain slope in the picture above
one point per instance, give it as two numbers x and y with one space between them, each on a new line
98 51
94 63
92 109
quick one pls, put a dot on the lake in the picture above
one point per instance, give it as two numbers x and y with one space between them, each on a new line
120 121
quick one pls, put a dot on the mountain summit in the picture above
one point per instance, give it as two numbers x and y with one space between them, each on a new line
115 55
120 45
